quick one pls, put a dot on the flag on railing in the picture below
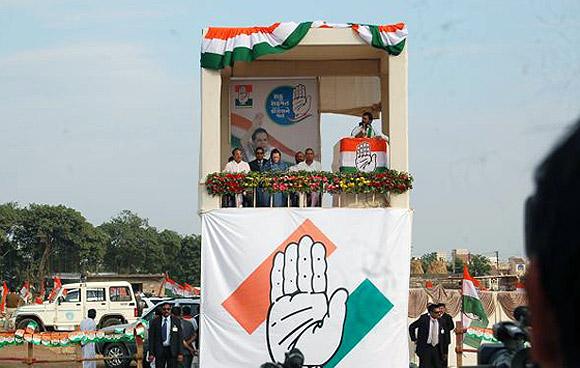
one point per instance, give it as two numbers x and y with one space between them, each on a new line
472 307
473 314
56 288
172 288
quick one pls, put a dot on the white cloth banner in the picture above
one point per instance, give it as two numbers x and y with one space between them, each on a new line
333 283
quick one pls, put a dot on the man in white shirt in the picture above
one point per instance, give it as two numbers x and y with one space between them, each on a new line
310 165
430 333
236 166
88 324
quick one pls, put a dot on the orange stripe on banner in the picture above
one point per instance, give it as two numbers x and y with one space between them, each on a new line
249 303
240 121
392 27
376 144
224 33
246 124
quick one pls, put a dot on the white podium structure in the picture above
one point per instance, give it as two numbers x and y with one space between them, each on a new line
336 56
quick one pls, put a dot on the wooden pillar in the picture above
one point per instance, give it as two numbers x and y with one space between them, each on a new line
30 357
459 343
394 116
210 157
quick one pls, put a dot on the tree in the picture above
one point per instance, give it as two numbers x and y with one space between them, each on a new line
455 266
133 246
479 265
427 259
9 256
50 239
188 267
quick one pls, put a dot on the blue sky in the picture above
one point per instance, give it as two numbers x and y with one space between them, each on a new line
99 105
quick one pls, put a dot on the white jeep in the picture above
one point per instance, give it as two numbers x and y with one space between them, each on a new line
114 303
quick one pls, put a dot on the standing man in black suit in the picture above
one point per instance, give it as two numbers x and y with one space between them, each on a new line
258 165
165 339
445 323
428 339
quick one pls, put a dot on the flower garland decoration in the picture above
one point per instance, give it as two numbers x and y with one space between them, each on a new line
390 181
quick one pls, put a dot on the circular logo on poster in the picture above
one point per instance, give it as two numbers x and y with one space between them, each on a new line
287 105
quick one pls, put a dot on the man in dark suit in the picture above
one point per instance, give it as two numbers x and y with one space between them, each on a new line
428 338
445 323
258 165
165 339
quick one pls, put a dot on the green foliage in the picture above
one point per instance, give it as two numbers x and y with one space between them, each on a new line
455 267
427 259
39 240
479 265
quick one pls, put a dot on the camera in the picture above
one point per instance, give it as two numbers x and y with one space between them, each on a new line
293 359
514 347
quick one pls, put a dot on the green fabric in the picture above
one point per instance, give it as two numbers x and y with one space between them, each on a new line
473 306
217 61
377 42
365 307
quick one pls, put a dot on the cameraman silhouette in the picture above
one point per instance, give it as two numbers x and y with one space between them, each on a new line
552 236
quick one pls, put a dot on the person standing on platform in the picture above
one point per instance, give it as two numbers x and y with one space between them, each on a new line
277 165
235 167
299 157
364 129
428 338
310 165
166 339
259 165
88 324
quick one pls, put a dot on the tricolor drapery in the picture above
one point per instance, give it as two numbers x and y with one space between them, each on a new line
223 46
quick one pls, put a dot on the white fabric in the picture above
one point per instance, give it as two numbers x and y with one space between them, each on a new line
433 337
372 246
469 289
276 38
235 167
89 324
303 166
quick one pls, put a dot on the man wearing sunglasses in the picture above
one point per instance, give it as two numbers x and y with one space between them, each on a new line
165 339
552 230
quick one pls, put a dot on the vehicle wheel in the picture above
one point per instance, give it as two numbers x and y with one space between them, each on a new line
111 322
118 355
23 323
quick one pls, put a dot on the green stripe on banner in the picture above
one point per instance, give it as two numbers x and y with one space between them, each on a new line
218 61
377 42
365 307
350 169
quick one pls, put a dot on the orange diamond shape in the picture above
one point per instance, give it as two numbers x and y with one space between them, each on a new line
249 303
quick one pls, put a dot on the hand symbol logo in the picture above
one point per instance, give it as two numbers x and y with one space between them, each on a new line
301 103
301 315
365 161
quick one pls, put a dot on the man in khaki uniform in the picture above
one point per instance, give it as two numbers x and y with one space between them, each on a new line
13 301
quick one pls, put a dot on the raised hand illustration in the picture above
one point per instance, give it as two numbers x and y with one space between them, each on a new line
301 313
301 103
365 161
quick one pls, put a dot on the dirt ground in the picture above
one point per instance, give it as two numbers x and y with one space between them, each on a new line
42 353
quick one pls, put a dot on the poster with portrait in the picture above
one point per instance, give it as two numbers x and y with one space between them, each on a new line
274 113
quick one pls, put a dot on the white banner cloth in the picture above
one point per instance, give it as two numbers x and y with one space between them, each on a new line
333 283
